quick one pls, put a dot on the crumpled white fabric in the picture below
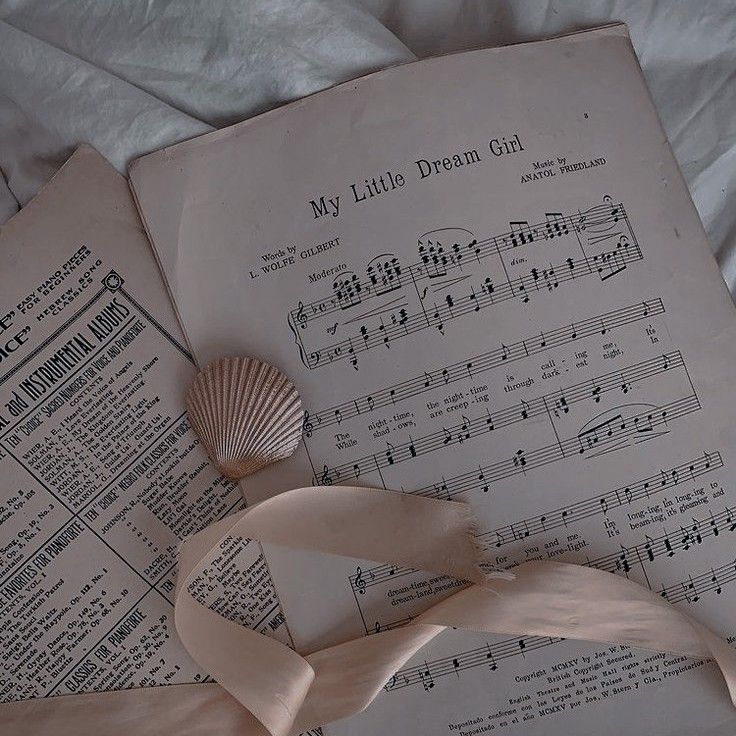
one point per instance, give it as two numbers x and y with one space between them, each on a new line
130 76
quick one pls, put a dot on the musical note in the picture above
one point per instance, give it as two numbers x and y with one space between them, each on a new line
548 274
521 233
644 423
351 353
519 460
690 586
434 259
385 336
560 405
439 490
426 677
347 290
384 274
518 535
609 264
556 225
482 479
648 547
474 299
438 321
400 319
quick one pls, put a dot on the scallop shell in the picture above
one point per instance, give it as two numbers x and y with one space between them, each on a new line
247 414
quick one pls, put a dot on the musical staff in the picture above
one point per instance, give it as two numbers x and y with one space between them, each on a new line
565 516
669 543
486 295
489 655
557 401
483 476
478 364
436 259
601 504
692 590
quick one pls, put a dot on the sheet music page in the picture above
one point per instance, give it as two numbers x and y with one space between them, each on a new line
102 476
487 279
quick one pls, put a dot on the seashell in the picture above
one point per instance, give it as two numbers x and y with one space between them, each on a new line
247 414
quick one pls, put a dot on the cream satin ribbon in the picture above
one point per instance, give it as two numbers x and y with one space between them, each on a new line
266 688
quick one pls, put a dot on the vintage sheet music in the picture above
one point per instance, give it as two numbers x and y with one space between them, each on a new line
486 276
102 476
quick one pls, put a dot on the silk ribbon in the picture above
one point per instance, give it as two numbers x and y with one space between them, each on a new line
264 688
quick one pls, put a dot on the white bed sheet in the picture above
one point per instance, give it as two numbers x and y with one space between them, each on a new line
132 76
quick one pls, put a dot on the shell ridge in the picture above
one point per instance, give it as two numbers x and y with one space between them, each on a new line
246 413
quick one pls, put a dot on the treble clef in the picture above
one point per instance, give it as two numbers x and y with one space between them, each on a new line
307 426
300 317
359 582
326 480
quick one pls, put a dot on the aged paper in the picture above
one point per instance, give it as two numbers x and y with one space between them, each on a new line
486 276
102 476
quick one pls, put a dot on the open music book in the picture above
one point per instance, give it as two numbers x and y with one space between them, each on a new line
487 279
